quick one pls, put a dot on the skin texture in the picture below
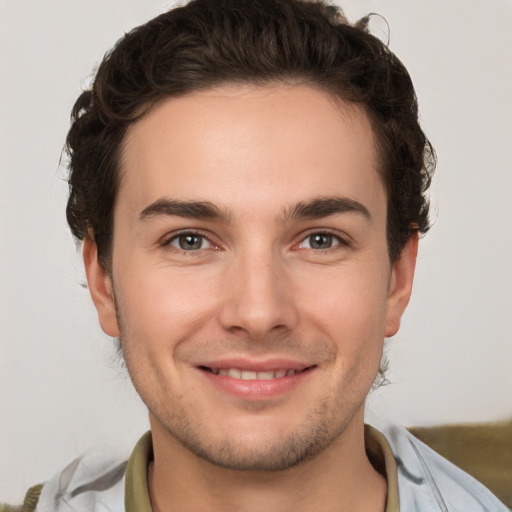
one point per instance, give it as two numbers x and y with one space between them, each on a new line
267 282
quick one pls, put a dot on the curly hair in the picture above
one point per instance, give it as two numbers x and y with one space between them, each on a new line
207 43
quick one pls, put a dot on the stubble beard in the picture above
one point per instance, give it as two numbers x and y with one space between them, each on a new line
284 452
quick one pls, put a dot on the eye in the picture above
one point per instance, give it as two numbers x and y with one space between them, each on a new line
320 241
189 242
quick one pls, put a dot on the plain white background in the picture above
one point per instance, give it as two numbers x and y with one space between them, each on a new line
61 388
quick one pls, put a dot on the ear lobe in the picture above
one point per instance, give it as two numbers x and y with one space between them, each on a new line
400 286
100 287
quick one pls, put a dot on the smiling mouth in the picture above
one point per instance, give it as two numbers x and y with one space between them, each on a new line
237 373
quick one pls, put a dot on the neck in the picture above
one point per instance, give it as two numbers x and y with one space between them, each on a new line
341 478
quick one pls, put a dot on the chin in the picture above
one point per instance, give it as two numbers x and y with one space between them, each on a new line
279 455
259 447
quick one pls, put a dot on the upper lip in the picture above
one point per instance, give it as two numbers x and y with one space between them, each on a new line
267 365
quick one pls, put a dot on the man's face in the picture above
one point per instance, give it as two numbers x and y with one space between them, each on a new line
250 271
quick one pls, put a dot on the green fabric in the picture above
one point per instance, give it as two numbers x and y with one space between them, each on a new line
136 498
380 455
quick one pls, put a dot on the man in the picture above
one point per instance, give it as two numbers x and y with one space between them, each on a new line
248 180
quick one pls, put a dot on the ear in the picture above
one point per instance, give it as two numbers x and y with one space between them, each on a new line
101 289
400 285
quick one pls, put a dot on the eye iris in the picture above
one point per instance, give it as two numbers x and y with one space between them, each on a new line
320 241
190 242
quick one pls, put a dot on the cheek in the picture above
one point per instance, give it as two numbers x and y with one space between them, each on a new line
163 305
350 311
348 301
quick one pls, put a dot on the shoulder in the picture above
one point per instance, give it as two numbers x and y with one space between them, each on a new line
427 481
92 482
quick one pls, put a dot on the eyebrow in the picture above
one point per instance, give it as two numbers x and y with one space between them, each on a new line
324 207
315 208
202 210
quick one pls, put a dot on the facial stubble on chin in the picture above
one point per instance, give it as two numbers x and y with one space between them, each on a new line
317 432
304 443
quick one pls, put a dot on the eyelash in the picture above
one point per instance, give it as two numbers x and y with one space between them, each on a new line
340 241
167 242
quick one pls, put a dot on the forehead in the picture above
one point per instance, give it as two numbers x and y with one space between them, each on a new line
244 146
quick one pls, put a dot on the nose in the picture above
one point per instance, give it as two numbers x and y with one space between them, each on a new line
258 297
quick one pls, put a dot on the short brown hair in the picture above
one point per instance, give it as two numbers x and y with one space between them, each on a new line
207 43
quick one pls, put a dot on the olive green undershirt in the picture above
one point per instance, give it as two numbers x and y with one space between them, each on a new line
136 489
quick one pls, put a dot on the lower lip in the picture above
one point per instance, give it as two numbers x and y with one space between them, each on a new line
256 389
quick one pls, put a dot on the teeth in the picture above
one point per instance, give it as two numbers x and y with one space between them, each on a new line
250 375
266 375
